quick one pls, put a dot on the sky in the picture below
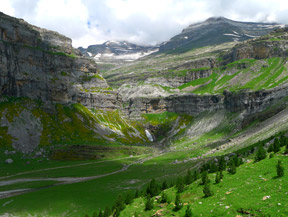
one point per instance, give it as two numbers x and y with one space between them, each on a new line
89 22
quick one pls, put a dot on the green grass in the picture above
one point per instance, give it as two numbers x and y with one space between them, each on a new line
27 185
243 191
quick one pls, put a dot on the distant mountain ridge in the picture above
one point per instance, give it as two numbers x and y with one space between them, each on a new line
117 51
216 30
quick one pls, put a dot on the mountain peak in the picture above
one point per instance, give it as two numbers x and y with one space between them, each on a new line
217 19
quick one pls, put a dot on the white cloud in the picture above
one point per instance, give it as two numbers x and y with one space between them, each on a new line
142 21
7 8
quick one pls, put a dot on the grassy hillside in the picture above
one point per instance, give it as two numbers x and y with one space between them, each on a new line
255 190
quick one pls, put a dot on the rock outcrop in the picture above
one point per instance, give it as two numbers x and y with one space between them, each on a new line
273 45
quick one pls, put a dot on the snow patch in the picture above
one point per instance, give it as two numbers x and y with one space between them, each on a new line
90 54
233 35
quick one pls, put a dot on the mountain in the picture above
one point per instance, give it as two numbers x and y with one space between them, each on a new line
70 142
216 30
117 51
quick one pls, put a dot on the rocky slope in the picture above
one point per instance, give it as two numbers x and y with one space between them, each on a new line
215 30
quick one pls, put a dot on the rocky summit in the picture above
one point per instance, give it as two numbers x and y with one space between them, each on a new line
76 131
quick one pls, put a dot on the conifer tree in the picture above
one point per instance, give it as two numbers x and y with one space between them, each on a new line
207 191
180 185
188 178
107 212
232 167
195 175
213 168
164 198
95 214
149 203
164 185
188 212
271 148
153 189
261 154
118 206
280 169
204 178
178 203
102 215
222 164
129 198
221 174
283 140
217 178
276 145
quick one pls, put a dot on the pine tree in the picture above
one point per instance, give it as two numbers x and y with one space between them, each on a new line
118 206
136 194
164 185
188 178
95 214
276 145
195 175
188 212
107 212
149 203
286 149
204 178
213 168
222 164
280 169
271 148
129 198
207 191
221 175
283 140
217 178
178 203
164 198
153 189
261 154
180 185
232 167
102 215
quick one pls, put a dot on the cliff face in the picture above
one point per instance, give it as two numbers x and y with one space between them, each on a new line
246 102
43 65
46 87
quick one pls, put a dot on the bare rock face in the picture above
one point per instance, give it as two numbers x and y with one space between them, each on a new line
43 65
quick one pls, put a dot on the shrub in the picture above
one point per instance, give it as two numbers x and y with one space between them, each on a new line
164 198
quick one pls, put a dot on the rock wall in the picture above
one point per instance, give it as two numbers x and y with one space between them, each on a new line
43 65
245 102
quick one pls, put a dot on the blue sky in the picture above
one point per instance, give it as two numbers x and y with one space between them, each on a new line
140 21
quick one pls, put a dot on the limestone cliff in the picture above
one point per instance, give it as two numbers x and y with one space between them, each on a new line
43 65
